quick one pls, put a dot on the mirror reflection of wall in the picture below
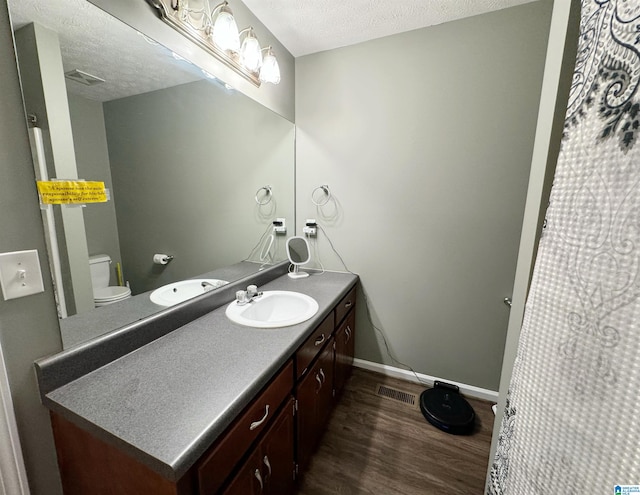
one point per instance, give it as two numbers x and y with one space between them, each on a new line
196 173
181 154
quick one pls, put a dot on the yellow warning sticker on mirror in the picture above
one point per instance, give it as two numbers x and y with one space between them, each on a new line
71 192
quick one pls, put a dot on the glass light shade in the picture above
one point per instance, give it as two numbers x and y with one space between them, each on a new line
225 31
270 71
250 52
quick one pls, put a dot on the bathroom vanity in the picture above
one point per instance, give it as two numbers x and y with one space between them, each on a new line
210 407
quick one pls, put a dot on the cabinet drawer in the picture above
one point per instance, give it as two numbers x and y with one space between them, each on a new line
218 464
347 302
313 345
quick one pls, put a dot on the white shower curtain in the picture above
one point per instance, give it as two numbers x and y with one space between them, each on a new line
572 419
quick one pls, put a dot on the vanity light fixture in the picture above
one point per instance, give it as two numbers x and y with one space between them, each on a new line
250 51
270 70
215 30
224 32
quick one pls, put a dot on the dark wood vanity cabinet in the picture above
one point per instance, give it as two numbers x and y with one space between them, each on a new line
266 447
315 401
322 365
220 461
320 384
344 347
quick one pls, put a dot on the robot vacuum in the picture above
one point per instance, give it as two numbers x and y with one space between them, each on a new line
446 409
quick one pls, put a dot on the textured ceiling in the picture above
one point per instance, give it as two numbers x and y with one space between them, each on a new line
309 26
99 44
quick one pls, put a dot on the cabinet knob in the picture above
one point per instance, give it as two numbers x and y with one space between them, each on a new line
255 424
319 340
348 304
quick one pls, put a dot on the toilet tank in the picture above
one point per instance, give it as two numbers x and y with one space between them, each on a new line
100 272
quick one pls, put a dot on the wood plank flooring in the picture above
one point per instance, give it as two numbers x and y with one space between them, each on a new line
385 447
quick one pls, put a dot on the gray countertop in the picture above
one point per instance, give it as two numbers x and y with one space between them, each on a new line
168 401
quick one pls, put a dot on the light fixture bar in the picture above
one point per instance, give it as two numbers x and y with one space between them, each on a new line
169 13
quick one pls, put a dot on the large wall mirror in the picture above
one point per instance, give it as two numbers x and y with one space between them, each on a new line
184 159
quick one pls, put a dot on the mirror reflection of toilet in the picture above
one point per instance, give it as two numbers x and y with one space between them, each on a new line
103 293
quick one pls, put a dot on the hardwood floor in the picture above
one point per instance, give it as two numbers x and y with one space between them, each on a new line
385 447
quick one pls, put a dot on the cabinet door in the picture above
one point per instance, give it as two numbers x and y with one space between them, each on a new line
315 399
276 452
249 479
325 397
270 467
345 348
220 461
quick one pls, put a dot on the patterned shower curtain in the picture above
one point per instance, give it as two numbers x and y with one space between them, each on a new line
572 419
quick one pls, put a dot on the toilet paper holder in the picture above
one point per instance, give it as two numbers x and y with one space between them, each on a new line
162 259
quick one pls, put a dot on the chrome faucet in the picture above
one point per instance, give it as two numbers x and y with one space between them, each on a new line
207 286
246 296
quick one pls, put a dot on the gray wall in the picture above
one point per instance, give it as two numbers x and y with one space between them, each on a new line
186 164
425 139
28 326
92 158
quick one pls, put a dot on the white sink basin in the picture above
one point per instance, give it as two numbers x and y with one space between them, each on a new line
177 292
275 308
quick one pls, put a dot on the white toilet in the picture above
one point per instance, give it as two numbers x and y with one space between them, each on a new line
103 294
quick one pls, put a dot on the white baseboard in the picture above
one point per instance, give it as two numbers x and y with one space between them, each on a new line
468 390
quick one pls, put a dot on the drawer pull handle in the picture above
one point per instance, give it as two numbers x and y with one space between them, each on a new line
347 332
319 382
319 340
348 304
268 464
255 424
322 376
256 473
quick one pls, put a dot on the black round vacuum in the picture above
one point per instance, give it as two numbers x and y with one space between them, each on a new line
446 409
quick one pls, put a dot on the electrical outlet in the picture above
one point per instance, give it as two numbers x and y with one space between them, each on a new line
279 226
20 274
310 227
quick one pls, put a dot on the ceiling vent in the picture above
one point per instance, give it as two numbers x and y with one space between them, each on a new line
83 77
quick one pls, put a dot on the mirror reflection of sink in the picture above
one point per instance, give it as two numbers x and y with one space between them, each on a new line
177 292
276 308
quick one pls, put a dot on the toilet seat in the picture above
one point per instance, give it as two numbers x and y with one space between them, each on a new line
109 295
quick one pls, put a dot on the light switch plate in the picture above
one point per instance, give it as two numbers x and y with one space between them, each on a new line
20 274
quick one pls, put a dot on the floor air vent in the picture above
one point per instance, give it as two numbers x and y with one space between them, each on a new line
397 395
